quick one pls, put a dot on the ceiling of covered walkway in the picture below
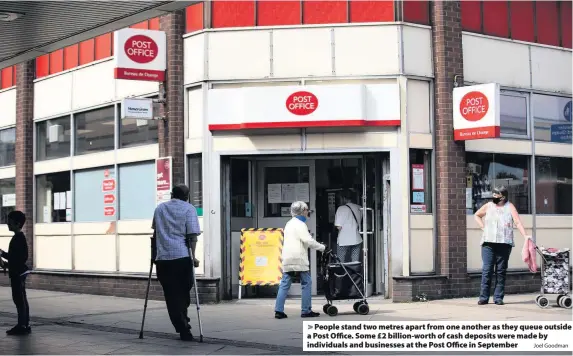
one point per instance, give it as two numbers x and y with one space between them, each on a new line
29 29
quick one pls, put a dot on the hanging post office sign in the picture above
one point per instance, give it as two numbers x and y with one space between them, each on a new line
476 112
139 109
140 54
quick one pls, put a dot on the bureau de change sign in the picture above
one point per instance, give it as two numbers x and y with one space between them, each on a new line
139 54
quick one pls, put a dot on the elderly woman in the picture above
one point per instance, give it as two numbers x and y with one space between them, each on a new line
297 241
497 220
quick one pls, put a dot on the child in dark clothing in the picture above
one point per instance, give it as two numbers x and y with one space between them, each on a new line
18 270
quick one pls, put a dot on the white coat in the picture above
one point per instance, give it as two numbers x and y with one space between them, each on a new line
297 241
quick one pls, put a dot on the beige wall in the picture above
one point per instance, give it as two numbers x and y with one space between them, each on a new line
422 243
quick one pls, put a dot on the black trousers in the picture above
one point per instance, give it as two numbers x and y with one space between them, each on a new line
176 278
19 297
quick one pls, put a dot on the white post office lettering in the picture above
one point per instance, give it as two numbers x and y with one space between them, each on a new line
474 106
141 48
301 102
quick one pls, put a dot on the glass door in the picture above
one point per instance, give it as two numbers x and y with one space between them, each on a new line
280 184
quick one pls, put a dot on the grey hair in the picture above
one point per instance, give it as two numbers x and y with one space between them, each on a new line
297 208
501 190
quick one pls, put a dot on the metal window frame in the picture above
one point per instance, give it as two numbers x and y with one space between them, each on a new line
526 96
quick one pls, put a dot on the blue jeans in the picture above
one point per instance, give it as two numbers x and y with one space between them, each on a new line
286 281
494 255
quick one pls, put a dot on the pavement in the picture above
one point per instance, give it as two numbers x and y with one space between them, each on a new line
66 323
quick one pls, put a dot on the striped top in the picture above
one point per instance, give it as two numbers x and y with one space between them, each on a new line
498 225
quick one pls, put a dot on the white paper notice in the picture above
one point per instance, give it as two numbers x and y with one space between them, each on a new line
302 192
274 193
56 201
68 199
9 200
469 198
418 197
417 177
47 215
63 200
285 212
288 193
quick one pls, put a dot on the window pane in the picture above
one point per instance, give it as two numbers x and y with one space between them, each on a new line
239 187
196 182
8 198
420 181
53 200
137 132
513 115
137 191
485 171
89 195
552 118
7 147
56 146
283 175
94 131
553 185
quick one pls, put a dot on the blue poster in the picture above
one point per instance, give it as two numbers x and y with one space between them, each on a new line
567 111
561 133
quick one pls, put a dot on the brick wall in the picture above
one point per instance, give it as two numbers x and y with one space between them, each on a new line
172 129
450 155
24 147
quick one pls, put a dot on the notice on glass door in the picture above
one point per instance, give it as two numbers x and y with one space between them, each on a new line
302 192
274 195
417 177
288 193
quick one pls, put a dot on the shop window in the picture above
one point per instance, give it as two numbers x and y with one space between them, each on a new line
420 181
135 132
485 171
137 191
240 197
7 147
196 182
513 114
53 198
8 198
93 191
53 138
553 185
552 118
95 131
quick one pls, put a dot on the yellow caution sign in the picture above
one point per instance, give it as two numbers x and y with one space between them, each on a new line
261 257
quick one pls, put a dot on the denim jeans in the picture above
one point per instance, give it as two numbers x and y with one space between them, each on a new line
284 286
494 255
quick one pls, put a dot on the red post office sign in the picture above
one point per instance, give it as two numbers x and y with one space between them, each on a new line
476 112
140 54
302 103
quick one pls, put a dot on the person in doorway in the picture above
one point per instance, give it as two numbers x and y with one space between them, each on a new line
497 220
17 256
176 228
347 221
297 241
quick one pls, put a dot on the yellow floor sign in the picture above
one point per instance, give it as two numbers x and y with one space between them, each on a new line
261 261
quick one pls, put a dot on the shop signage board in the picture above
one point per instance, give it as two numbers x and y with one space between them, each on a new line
561 133
476 112
304 106
140 54
261 257
139 109
164 178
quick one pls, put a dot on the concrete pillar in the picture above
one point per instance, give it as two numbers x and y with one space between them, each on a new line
24 149
450 155
172 129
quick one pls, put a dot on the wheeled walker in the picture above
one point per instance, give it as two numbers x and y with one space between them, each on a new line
555 277
343 281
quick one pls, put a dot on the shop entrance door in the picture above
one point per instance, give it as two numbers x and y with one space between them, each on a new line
280 183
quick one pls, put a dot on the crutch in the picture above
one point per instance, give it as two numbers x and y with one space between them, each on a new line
196 293
147 290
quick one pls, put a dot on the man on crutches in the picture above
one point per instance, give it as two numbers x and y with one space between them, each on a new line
176 228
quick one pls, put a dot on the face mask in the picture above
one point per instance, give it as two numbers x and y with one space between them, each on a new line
496 200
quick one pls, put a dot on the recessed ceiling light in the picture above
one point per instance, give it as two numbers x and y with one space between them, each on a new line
9 16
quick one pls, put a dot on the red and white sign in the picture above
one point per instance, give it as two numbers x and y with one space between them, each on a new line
163 183
108 199
108 185
476 112
302 103
304 106
140 54
109 211
418 180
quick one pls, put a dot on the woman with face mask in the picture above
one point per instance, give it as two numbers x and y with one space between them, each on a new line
497 220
